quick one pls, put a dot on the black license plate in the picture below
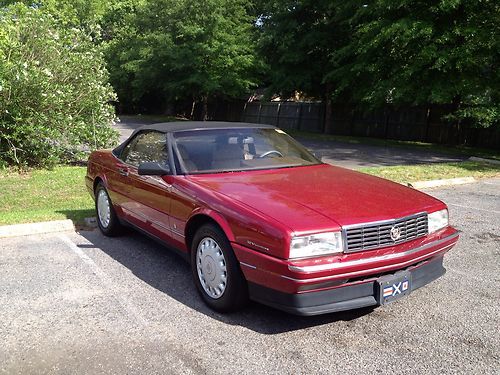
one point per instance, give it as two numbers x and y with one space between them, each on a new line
393 287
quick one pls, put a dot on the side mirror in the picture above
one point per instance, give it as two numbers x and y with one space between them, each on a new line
153 169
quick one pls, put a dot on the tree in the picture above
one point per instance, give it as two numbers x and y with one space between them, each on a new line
380 52
86 14
54 95
415 53
298 38
175 49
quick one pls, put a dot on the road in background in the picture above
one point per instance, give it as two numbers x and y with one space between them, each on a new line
84 303
343 154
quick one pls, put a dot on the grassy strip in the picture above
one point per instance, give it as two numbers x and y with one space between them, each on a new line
42 195
425 172
451 150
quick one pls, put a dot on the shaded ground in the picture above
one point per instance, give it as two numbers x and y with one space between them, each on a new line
338 153
128 124
83 303
358 155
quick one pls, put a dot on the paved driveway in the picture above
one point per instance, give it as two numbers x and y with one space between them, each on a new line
83 303
355 156
128 124
343 154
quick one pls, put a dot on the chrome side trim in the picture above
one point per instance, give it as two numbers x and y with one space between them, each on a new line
373 270
176 232
333 266
136 214
158 224
248 265
154 222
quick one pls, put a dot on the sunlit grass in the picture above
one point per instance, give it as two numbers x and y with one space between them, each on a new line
42 195
425 172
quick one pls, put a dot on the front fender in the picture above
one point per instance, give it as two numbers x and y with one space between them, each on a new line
217 217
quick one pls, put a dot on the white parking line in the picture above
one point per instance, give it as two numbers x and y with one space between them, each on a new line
105 280
473 208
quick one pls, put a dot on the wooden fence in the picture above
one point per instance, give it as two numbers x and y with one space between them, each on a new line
424 124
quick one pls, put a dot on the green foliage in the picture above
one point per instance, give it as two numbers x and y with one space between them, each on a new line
86 14
54 96
176 49
296 39
367 53
397 52
407 52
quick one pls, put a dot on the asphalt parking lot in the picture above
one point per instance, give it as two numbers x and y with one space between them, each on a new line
83 303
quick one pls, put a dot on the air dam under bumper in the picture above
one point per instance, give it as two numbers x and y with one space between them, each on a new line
347 297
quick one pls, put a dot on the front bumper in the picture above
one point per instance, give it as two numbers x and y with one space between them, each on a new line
356 295
335 284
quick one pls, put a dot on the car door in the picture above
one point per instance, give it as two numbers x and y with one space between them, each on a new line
148 200
117 177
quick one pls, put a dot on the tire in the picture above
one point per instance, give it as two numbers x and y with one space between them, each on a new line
106 216
216 272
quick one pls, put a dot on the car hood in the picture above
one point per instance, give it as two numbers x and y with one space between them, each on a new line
319 197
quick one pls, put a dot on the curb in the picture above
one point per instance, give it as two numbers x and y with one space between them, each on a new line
445 182
36 228
483 160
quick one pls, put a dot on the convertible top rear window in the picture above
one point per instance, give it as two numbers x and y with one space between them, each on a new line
239 149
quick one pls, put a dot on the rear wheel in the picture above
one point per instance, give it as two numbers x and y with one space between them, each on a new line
216 272
106 216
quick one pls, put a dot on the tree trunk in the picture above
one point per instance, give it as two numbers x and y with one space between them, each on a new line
328 109
204 115
457 101
192 109
427 123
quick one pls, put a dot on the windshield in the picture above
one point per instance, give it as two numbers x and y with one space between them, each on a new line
226 150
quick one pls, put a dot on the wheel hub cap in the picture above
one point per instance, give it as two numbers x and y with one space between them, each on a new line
103 208
211 267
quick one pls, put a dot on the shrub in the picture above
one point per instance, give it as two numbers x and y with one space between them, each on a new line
54 91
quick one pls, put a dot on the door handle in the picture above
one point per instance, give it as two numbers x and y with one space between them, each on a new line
123 171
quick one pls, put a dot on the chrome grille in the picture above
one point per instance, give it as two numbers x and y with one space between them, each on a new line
378 234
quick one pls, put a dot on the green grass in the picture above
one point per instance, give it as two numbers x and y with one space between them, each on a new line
424 172
451 150
42 195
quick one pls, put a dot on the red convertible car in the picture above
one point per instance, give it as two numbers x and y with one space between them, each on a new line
260 217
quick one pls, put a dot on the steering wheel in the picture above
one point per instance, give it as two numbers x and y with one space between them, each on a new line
270 152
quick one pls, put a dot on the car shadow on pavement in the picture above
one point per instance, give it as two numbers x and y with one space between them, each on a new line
169 273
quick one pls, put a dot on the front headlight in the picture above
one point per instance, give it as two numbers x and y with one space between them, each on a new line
437 220
316 245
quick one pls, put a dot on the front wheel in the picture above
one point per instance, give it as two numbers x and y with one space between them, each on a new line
216 272
106 216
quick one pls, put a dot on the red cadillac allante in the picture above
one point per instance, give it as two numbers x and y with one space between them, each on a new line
260 217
